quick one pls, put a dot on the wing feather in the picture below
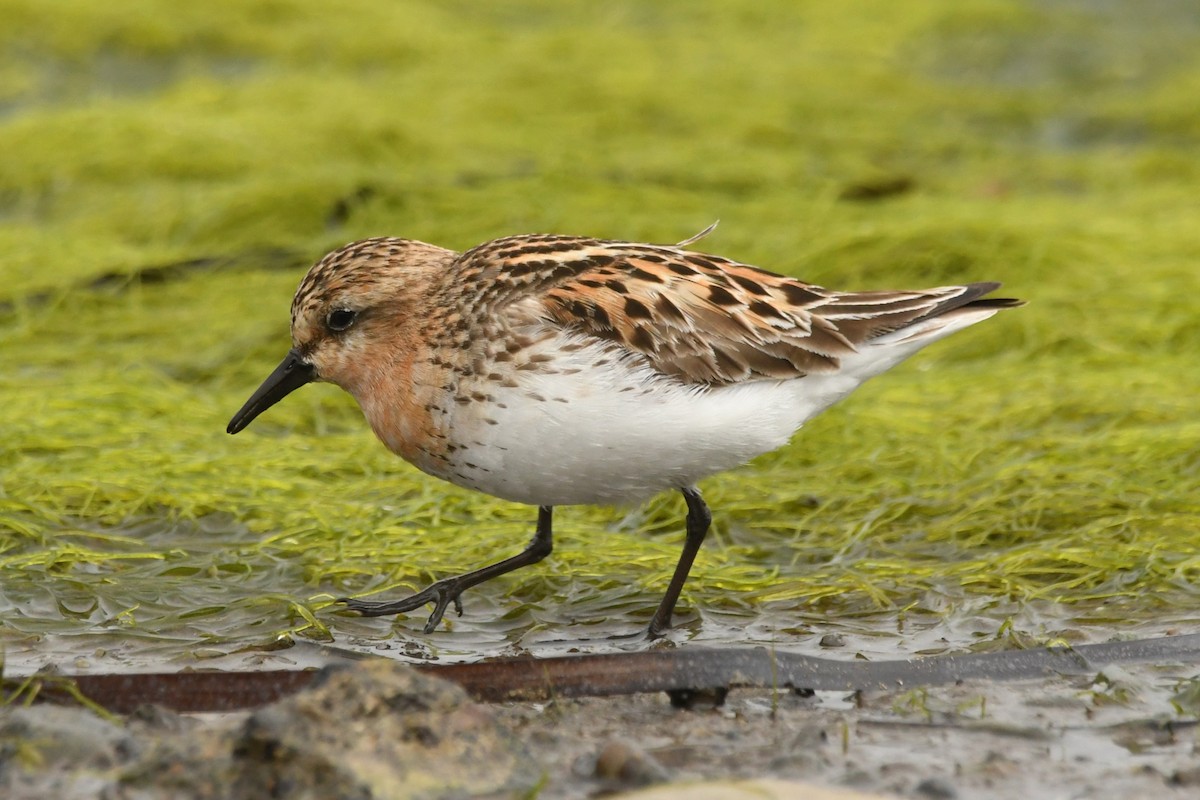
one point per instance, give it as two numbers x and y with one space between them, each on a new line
700 318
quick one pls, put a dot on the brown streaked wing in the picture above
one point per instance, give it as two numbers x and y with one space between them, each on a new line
702 319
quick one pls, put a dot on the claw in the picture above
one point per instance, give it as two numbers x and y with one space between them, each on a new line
449 590
441 594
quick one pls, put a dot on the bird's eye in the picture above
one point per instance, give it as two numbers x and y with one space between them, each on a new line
340 319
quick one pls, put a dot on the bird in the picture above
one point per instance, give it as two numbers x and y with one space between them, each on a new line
557 370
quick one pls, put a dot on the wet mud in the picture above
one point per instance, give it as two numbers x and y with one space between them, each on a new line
378 728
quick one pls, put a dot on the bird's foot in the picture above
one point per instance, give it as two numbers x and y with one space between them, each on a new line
660 623
441 594
657 631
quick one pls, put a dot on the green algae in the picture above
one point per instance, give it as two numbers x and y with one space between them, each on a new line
1044 460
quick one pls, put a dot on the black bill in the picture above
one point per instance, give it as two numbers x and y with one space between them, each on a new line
289 376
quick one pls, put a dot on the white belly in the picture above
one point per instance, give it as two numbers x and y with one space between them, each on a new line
621 432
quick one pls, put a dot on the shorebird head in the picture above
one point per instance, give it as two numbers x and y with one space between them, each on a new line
351 304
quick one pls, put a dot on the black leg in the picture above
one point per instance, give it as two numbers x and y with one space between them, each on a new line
698 520
448 590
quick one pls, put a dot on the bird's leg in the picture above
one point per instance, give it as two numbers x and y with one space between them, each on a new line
698 520
448 590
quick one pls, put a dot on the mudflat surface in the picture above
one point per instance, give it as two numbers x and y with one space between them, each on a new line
376 725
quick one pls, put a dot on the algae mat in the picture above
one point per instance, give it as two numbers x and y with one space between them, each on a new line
168 173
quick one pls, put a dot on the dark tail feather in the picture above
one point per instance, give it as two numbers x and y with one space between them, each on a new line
972 298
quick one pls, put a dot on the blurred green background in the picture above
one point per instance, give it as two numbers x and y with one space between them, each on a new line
168 171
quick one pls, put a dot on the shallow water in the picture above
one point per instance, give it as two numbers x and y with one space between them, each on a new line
192 608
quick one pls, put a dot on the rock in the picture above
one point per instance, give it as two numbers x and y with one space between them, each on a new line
764 789
58 735
936 788
623 765
381 730
375 729
1185 777
698 699
59 752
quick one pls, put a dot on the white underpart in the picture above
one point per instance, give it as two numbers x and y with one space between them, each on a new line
621 432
